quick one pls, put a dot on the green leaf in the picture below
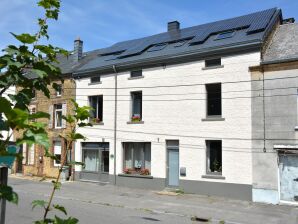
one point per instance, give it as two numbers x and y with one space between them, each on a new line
76 136
39 114
7 193
57 185
60 208
40 203
25 38
70 220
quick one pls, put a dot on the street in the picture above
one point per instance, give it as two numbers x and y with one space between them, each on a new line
92 203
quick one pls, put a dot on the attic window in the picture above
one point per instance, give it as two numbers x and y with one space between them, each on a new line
215 62
179 43
136 73
95 79
225 35
157 47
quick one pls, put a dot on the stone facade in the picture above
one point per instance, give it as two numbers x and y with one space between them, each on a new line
41 165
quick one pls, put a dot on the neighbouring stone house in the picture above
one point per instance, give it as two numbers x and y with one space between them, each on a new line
175 109
275 118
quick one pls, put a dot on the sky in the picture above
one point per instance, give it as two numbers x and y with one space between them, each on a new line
101 23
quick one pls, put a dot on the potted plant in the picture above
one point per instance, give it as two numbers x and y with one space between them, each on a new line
145 172
136 118
216 166
127 170
95 120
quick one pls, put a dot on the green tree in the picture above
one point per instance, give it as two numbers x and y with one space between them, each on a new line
31 67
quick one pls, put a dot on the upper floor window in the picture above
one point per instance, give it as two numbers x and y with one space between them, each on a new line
136 110
212 62
96 102
95 79
214 156
59 90
136 73
56 112
213 99
58 115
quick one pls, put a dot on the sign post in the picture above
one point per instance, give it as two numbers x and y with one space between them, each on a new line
5 163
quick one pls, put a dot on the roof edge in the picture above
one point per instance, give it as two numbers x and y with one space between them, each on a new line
227 49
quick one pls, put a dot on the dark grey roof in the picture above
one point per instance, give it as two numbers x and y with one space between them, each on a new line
284 44
249 29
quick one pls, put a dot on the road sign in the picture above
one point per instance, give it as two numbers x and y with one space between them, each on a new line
7 161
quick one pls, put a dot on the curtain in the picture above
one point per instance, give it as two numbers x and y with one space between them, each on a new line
91 160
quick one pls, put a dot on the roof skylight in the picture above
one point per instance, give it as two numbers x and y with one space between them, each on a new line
157 47
225 35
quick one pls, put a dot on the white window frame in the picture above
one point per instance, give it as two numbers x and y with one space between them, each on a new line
57 151
56 111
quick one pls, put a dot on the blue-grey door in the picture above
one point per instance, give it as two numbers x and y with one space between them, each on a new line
288 169
173 163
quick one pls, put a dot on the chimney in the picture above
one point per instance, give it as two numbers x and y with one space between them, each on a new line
288 20
173 26
78 50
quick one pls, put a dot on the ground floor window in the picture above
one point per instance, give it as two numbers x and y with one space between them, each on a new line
214 156
57 153
137 158
96 157
90 160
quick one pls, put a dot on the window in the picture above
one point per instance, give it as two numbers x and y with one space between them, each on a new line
157 47
57 153
214 157
213 62
56 112
136 98
137 73
225 35
137 158
213 99
95 79
96 157
59 90
91 160
96 102
58 115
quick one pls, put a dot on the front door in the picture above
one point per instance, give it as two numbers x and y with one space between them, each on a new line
173 163
288 169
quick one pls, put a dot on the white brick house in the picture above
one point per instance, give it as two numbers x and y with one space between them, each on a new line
175 111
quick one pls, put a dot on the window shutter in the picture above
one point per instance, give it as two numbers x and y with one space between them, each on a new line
51 116
64 114
24 154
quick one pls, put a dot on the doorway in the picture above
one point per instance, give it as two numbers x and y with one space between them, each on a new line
288 171
172 163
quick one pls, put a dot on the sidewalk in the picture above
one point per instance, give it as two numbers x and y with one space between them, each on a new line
214 209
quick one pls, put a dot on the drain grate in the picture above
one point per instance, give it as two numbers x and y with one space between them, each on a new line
198 219
151 219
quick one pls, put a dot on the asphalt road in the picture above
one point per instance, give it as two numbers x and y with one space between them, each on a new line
86 212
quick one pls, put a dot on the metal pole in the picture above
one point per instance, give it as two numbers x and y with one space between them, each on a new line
115 125
3 182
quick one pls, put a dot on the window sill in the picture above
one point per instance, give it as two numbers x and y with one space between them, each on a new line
212 67
136 176
213 176
135 122
100 123
213 118
94 83
138 77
